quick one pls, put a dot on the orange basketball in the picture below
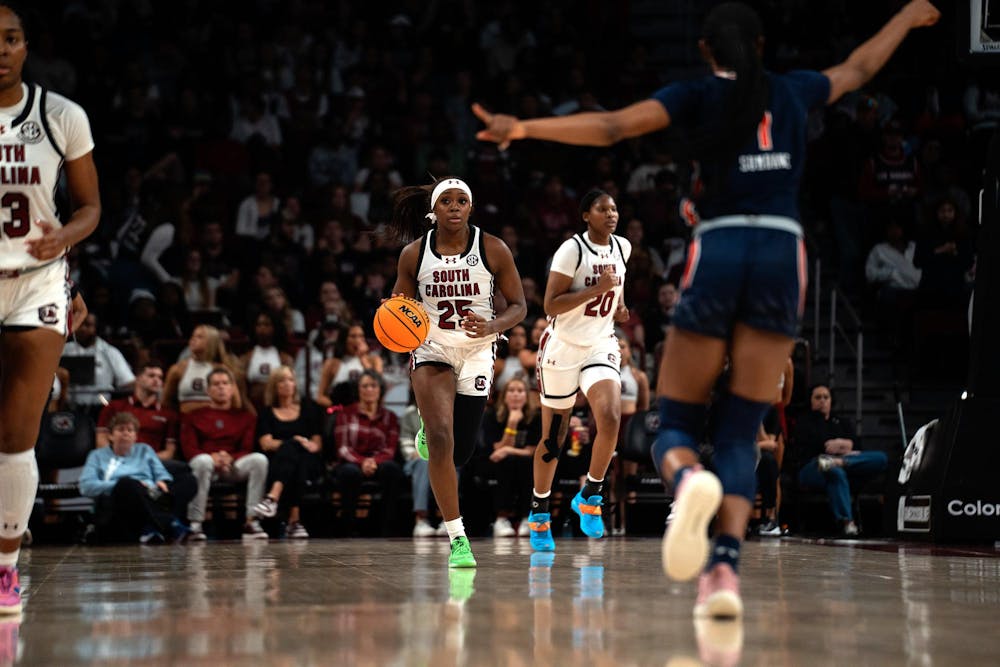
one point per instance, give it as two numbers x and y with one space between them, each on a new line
401 324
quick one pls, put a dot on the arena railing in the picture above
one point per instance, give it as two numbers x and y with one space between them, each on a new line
857 347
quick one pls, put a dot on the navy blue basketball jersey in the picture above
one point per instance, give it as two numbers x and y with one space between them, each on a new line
764 177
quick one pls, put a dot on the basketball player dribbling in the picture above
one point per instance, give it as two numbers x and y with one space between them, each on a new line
453 269
747 127
579 351
41 133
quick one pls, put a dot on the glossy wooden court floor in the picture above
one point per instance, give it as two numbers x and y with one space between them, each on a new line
394 602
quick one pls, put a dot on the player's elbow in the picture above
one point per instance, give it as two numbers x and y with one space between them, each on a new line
520 310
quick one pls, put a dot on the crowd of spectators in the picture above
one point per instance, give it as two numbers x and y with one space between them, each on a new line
248 152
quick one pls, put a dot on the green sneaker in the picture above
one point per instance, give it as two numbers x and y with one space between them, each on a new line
460 584
461 553
420 442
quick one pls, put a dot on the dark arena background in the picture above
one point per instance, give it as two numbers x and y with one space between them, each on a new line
248 153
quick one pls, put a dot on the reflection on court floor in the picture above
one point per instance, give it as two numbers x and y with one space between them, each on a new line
394 602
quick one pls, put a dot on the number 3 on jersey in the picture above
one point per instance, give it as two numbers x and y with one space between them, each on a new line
20 220
600 306
449 309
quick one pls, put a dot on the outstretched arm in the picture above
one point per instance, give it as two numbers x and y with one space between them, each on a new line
866 60
599 128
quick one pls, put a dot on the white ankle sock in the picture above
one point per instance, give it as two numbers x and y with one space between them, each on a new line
595 481
541 495
455 528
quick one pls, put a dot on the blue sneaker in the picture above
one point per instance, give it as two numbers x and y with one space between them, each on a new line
541 531
591 521
540 574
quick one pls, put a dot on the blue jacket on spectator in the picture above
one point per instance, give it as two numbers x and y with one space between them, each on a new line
104 468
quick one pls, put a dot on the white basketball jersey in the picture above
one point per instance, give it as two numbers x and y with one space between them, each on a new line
450 286
263 360
584 261
37 135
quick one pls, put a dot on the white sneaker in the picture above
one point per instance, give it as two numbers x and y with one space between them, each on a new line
253 531
423 529
502 528
523 530
685 544
441 530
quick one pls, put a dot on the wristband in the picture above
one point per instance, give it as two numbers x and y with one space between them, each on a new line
510 431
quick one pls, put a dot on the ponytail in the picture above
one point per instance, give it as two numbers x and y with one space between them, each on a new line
410 205
731 31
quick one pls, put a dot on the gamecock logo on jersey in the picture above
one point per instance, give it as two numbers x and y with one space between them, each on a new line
48 314
30 132
472 260
480 383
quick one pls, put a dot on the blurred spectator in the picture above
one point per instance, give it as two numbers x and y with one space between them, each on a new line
890 266
199 288
944 256
341 372
331 306
253 120
657 319
891 180
416 469
158 425
635 232
553 213
219 259
380 160
769 443
259 211
533 298
511 431
320 345
525 258
134 492
509 366
301 232
367 436
218 442
643 177
266 355
186 386
144 321
826 446
276 303
288 432
111 372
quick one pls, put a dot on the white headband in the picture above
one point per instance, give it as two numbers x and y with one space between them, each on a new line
449 184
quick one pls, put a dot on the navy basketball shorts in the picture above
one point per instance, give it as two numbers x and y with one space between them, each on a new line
754 274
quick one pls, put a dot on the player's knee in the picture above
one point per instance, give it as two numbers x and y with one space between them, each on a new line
608 416
681 425
552 441
439 437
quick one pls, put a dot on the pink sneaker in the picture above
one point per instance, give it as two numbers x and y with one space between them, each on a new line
720 643
685 544
10 591
719 593
10 627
